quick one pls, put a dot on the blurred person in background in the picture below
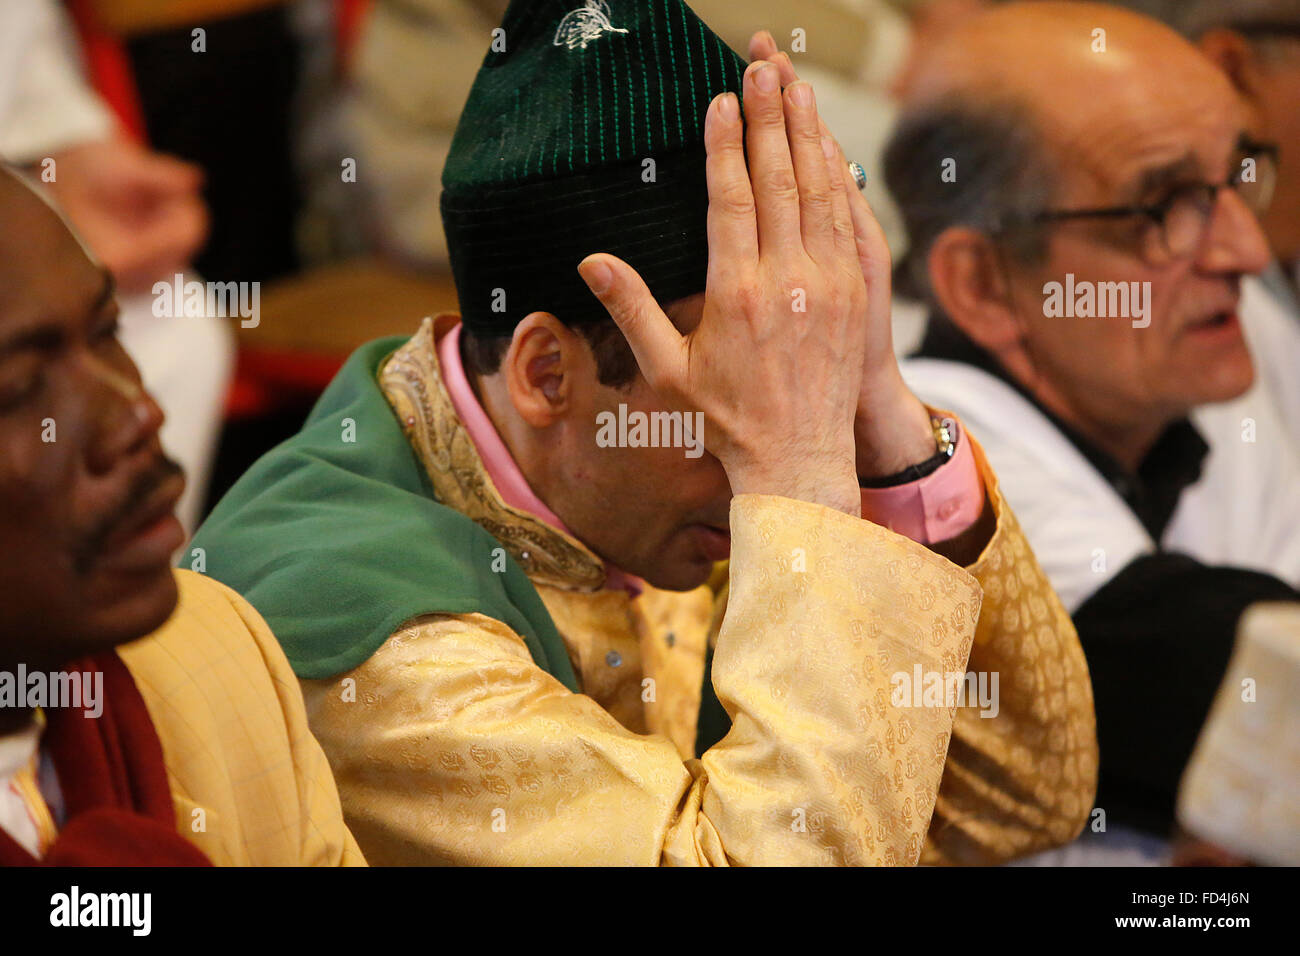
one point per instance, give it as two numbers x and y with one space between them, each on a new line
1257 45
139 212
414 64
214 83
1158 523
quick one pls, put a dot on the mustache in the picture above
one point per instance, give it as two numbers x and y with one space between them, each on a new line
91 545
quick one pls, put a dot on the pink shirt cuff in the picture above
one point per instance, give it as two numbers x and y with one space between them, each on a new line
935 508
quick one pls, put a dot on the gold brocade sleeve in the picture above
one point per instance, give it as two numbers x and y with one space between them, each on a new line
1022 780
454 747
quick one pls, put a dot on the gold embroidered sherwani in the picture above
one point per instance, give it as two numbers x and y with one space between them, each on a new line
454 747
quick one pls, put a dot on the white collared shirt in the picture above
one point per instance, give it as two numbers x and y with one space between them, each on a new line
1242 512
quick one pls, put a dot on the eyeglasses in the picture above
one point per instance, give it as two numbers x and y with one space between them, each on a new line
1178 223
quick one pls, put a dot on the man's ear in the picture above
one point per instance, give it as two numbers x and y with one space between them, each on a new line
1233 54
541 368
971 285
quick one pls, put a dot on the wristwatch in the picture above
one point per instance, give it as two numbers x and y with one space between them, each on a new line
945 440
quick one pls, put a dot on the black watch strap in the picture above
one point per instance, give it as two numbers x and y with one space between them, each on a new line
945 438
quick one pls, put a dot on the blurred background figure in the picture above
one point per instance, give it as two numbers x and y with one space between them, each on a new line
1158 487
1257 45
413 67
212 82
139 212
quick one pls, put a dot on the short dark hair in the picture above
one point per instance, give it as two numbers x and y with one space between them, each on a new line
1003 179
615 364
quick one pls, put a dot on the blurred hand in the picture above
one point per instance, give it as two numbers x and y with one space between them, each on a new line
891 426
776 361
139 211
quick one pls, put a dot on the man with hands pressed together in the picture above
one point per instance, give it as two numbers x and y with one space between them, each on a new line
519 647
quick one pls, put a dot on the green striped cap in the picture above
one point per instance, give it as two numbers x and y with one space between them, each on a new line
549 161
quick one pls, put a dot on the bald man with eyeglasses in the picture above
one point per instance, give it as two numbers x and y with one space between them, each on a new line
1081 147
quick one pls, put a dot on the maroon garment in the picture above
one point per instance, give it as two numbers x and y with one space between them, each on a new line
118 806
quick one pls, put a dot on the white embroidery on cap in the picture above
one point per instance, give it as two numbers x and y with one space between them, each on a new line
590 22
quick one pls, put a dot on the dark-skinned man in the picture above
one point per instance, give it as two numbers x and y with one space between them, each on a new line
519 644
185 741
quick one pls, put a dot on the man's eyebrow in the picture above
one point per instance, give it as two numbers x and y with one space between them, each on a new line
1159 177
49 334
41 337
1248 145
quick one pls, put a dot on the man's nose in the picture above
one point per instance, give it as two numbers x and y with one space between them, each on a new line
125 416
1236 242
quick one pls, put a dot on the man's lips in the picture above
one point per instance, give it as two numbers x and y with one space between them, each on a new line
1224 323
151 534
713 542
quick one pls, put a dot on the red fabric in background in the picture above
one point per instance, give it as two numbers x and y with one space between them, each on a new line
109 70
347 29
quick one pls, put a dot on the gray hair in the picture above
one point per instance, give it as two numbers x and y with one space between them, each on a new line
1002 178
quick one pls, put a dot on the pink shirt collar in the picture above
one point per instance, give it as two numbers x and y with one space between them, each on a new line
502 470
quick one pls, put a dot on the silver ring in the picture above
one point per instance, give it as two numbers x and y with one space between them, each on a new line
859 175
